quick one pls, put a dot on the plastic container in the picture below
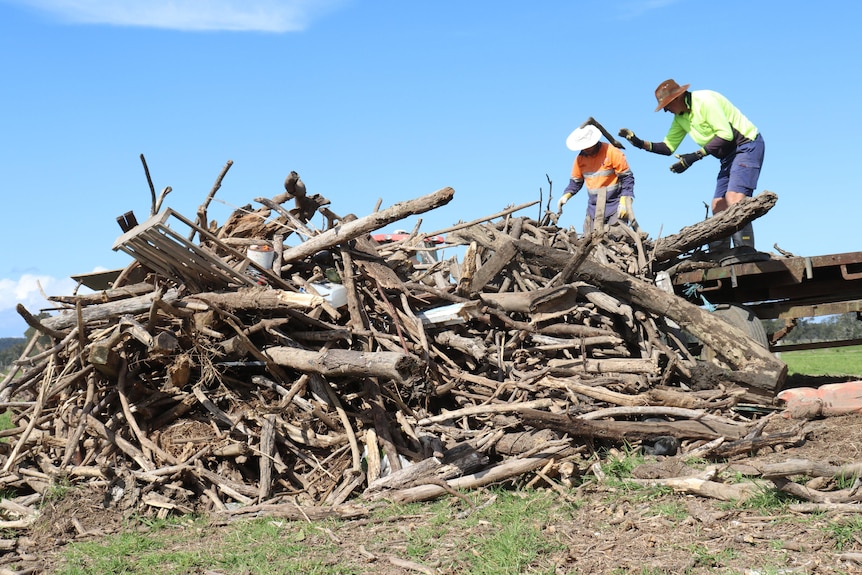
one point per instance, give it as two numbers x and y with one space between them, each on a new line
261 255
826 400
335 294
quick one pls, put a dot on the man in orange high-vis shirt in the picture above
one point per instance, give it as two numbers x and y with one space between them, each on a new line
605 172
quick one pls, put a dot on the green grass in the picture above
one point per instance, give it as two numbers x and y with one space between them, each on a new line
674 510
831 361
844 532
767 500
516 539
705 557
506 537
262 546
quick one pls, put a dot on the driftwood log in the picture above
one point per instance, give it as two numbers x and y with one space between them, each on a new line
400 367
631 431
716 227
347 231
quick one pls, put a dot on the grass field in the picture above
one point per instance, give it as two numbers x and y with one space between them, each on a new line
832 361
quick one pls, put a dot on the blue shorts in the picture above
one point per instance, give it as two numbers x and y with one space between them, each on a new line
740 170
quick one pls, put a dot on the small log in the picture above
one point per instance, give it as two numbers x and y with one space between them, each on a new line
738 492
104 296
295 512
754 444
467 345
593 391
240 492
44 326
258 298
815 495
543 300
455 462
647 411
718 226
349 230
576 330
124 445
103 355
810 469
512 467
492 267
399 367
109 310
614 366
629 430
381 423
373 461
357 317
351 480
493 408
267 450
163 343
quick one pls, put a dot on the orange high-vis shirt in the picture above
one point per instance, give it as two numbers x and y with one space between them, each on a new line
599 172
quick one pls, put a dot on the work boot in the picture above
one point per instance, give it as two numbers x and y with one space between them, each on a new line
718 248
743 248
744 238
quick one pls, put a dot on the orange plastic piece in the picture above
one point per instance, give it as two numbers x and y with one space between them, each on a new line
826 400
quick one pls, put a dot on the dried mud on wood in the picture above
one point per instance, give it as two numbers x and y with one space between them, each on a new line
349 370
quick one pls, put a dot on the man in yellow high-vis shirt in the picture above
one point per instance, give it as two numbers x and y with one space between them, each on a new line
721 130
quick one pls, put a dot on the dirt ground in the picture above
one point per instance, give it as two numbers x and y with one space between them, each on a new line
605 530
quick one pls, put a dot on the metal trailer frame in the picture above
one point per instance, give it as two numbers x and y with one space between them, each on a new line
784 288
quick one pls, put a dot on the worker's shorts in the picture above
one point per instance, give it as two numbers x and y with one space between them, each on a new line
740 170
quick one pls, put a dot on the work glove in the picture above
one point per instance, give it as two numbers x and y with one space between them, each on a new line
630 136
686 160
563 199
624 210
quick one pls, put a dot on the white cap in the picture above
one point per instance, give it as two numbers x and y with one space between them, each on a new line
583 138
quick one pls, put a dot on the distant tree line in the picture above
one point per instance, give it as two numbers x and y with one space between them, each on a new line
11 349
829 328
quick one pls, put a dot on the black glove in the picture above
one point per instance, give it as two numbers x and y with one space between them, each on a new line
630 136
685 161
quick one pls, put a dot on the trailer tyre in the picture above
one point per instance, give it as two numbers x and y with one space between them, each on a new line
743 319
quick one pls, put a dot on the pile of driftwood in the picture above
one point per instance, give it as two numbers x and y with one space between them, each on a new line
338 369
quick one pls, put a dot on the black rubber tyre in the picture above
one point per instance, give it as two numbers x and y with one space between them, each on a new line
741 318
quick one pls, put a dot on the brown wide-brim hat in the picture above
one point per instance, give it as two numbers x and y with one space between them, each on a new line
667 92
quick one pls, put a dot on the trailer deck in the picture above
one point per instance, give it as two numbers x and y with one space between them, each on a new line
783 287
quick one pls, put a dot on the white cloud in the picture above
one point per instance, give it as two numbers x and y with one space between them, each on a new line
28 291
198 15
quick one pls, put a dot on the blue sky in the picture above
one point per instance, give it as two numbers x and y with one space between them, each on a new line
391 100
